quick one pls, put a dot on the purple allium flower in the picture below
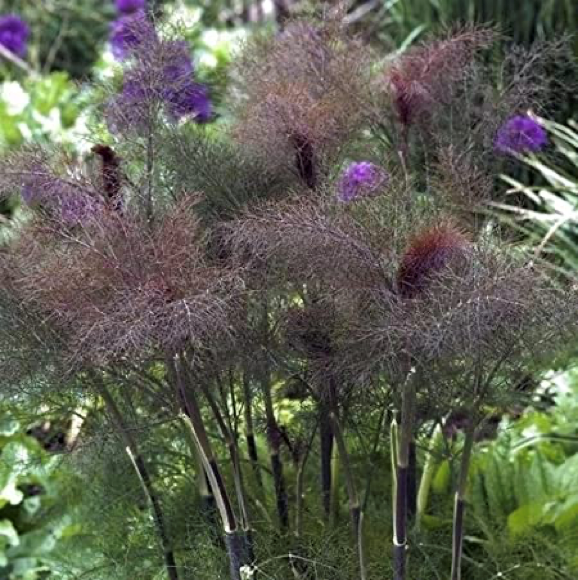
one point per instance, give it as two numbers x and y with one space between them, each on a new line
178 67
520 134
160 77
129 32
129 6
131 109
361 179
191 99
14 33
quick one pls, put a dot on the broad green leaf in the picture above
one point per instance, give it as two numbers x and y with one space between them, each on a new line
32 504
441 480
565 516
8 531
567 474
10 494
8 426
36 542
525 518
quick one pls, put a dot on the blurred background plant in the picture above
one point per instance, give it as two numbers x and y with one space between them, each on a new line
548 214
37 505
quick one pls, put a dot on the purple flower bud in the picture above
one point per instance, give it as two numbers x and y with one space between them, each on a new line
130 32
129 6
14 33
361 179
520 134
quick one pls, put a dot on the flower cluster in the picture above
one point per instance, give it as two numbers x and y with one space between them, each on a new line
161 76
361 179
14 33
520 134
129 6
130 32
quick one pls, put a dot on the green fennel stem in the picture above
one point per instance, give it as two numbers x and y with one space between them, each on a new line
460 502
144 477
429 470
354 505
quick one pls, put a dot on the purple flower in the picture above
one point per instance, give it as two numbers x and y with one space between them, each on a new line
129 6
131 109
159 78
130 32
178 65
361 179
14 33
191 99
520 134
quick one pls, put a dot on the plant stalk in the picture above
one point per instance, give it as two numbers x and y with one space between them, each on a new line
354 505
273 431
144 477
231 443
335 468
326 453
249 431
431 464
299 485
402 469
460 502
194 421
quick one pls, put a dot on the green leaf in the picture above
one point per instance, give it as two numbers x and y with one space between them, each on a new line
10 494
565 516
433 522
525 518
49 92
441 481
8 531
567 474
31 505
8 426
37 542
27 568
